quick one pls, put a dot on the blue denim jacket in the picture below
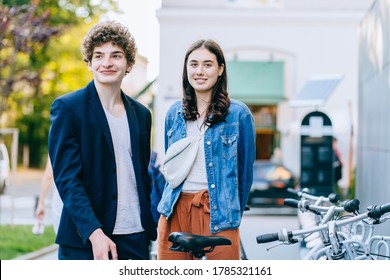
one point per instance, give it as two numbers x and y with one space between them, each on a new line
230 154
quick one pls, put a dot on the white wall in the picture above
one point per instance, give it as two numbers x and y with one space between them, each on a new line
373 176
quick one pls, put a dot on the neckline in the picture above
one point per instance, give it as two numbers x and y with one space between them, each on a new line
112 116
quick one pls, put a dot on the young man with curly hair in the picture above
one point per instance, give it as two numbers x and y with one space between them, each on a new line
99 146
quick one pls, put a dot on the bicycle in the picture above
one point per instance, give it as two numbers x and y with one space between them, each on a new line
377 245
341 246
309 216
308 219
323 214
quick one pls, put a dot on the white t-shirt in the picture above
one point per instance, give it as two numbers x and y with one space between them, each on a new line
197 178
128 218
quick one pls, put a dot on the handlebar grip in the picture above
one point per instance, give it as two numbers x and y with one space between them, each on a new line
376 211
293 191
334 198
352 205
291 202
268 237
385 208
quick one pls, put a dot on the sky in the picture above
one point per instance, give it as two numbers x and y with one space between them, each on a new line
140 17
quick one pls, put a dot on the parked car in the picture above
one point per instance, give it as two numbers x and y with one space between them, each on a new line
4 168
270 183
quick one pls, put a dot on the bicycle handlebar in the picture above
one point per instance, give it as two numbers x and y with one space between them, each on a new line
333 198
291 202
351 205
268 237
348 206
374 212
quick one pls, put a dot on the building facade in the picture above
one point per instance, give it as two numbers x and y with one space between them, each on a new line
373 176
272 48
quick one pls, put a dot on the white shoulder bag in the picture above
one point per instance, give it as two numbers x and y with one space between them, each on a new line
179 159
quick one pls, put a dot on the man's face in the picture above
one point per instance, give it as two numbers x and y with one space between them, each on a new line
108 64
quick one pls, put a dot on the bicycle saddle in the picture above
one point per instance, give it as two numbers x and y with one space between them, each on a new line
195 244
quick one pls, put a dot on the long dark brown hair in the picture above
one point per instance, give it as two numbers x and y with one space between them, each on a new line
219 106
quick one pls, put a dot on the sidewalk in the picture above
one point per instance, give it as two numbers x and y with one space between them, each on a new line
47 253
17 207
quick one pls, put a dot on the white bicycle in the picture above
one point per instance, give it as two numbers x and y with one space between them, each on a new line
341 245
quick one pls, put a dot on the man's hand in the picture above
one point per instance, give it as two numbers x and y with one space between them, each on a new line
102 246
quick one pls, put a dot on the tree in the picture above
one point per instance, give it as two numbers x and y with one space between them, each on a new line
65 73
30 76
22 41
26 28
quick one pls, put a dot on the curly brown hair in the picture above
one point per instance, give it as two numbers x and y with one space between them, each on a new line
106 32
220 101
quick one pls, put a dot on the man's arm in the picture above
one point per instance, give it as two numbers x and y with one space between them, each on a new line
64 151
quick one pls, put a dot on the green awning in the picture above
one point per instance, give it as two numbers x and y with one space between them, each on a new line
256 82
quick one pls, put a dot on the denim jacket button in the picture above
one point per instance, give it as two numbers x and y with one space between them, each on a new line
212 186
210 164
208 142
215 207
216 228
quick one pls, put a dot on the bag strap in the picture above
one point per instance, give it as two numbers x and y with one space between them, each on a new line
203 131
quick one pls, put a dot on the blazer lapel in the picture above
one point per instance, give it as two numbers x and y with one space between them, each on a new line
134 132
100 115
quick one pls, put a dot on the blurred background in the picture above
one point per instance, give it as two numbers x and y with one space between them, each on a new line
285 60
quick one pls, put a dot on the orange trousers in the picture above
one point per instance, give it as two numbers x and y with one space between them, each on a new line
192 215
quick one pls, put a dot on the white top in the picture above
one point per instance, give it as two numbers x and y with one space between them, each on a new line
197 178
128 217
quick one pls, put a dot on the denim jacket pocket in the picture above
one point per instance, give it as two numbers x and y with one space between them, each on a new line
229 146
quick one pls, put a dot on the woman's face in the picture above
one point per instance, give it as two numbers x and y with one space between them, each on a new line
203 71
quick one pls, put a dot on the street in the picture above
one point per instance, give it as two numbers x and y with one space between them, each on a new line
18 202
259 221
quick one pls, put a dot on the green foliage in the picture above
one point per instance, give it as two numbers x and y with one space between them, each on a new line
40 59
65 73
67 12
18 240
68 71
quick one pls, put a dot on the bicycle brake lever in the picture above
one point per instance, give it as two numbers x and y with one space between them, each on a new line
384 219
291 241
276 245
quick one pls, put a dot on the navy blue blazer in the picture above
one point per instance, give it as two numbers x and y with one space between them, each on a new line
84 168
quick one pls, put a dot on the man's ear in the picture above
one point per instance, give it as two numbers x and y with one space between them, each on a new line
129 67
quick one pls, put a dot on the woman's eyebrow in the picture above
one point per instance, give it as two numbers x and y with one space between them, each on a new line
208 61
